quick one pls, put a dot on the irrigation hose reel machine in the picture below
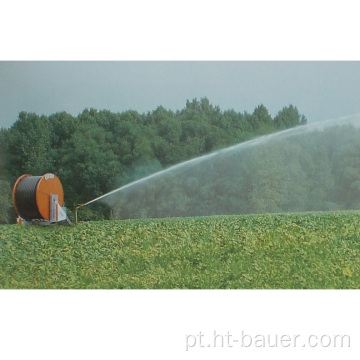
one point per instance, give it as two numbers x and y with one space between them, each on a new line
39 200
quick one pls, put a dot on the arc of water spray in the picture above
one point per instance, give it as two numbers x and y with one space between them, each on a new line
161 172
255 141
184 163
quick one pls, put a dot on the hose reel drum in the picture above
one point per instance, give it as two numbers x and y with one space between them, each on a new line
39 200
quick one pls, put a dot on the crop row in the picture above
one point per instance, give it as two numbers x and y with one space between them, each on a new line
310 250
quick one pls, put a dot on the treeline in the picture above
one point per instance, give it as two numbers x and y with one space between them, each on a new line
98 151
304 169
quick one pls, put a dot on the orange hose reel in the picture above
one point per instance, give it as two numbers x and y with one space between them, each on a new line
39 198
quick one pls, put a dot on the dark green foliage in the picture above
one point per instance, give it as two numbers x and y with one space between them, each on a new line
87 164
305 171
98 151
5 189
28 146
5 201
262 121
289 117
3 153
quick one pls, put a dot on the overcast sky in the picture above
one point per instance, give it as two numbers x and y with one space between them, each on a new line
320 90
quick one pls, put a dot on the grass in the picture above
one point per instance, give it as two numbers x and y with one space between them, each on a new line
274 251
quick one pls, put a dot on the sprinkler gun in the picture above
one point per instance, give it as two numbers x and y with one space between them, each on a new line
76 210
91 201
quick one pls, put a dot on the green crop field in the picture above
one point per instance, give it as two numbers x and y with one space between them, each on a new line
281 251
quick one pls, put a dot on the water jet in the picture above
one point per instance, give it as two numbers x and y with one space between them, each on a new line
312 167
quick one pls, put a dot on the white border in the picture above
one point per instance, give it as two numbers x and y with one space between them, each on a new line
179 30
154 324
110 324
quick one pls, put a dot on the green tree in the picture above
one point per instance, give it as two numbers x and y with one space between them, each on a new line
346 167
62 126
5 201
289 117
5 188
88 165
98 151
3 152
28 146
263 122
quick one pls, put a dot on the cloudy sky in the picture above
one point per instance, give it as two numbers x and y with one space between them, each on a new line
320 90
